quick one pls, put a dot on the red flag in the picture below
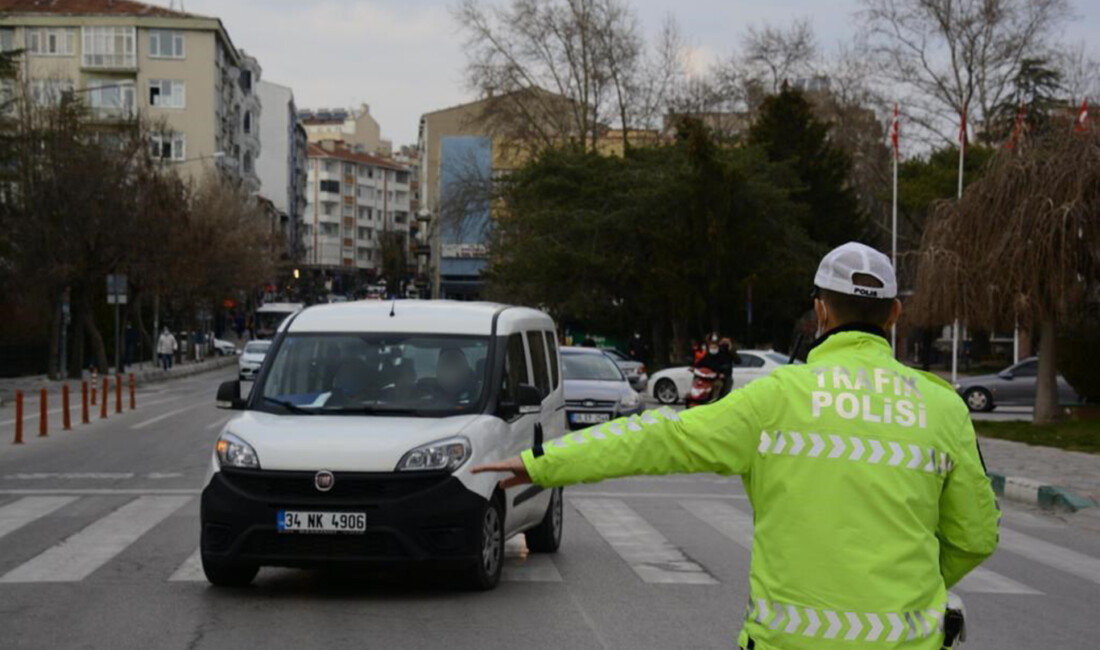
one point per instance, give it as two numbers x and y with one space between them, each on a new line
962 128
1018 128
1082 121
894 131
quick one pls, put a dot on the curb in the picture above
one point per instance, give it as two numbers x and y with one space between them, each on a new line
1024 490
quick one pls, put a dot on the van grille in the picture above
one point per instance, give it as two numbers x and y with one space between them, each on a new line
349 487
299 546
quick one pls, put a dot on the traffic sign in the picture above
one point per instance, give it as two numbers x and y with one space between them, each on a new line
116 289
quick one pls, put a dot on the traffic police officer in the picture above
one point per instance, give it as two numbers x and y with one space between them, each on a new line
869 494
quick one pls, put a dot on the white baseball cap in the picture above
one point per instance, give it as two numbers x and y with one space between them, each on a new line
840 264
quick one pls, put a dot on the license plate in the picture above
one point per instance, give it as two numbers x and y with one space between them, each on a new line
296 521
589 418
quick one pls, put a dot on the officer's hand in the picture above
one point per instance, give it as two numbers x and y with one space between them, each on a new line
514 465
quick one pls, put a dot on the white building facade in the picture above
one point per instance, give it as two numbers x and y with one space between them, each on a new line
353 201
283 163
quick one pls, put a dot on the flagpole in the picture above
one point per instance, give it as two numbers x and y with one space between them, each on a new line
955 324
894 227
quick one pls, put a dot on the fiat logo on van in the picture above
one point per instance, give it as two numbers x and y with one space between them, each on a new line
324 480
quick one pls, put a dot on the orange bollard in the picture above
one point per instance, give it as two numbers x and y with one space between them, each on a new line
133 401
66 423
95 382
103 401
84 402
42 421
118 393
18 418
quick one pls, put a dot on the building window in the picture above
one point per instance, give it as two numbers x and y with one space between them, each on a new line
111 98
167 44
364 213
402 177
248 162
365 234
330 229
246 81
331 166
110 47
365 254
164 93
170 146
60 41
7 97
329 209
7 39
248 121
330 186
48 92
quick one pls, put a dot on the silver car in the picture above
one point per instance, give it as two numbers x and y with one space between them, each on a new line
250 361
634 370
595 389
1013 385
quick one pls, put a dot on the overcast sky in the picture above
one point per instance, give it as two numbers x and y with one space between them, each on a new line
405 57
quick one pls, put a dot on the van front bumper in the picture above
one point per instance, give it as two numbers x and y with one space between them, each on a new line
410 517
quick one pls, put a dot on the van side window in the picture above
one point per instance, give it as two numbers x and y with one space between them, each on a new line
552 347
515 368
538 361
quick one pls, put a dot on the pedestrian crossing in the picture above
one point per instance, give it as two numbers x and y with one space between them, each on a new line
617 531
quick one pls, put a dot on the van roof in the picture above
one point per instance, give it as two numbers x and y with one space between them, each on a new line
280 306
419 316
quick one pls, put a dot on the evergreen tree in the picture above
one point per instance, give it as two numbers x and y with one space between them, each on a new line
790 135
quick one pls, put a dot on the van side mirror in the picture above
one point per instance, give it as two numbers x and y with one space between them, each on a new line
229 396
528 399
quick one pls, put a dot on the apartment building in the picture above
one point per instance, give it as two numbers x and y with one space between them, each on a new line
179 71
355 127
283 166
353 200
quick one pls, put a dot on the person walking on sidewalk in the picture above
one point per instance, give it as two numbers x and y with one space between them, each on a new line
868 491
166 348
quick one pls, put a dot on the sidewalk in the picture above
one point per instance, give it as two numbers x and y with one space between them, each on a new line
149 374
1075 471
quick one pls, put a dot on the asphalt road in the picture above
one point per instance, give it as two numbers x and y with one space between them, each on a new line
99 529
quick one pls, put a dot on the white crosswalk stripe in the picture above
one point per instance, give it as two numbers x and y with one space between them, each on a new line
78 556
22 512
629 536
638 543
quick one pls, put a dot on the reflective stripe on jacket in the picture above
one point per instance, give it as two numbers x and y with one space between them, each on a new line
868 491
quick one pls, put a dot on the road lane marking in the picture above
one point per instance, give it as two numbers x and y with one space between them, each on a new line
520 565
190 570
640 545
1051 555
15 515
984 581
220 422
165 416
31 411
724 518
98 476
78 556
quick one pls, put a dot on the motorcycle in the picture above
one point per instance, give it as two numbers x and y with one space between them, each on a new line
706 385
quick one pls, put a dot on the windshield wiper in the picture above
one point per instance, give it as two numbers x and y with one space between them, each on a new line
291 406
376 410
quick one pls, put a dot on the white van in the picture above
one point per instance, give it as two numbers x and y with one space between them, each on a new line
356 442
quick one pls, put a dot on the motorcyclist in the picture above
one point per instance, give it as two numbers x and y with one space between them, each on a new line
719 359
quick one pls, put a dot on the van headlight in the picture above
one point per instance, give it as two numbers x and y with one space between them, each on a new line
234 452
630 400
446 454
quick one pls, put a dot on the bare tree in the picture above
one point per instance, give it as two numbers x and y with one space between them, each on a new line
1080 72
771 55
951 56
554 70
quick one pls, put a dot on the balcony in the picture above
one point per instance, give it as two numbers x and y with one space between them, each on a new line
124 61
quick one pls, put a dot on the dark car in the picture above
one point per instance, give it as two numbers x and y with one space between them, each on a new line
1013 385
596 390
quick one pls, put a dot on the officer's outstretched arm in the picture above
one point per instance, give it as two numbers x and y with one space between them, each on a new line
720 437
968 511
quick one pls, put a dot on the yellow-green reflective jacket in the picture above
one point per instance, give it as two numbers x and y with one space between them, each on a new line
868 491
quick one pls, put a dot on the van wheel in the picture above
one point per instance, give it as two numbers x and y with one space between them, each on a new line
546 537
228 574
484 574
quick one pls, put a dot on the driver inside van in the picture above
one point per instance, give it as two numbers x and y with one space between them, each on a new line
454 375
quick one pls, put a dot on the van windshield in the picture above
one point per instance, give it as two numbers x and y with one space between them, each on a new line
376 374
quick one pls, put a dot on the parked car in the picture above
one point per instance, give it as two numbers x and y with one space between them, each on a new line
1013 385
634 370
671 385
225 348
252 359
596 390
356 442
